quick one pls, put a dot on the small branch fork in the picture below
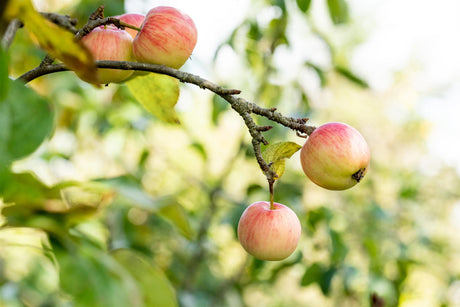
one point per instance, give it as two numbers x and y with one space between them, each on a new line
242 106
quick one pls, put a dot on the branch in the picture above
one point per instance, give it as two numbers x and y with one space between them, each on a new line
10 32
126 65
243 107
92 24
64 21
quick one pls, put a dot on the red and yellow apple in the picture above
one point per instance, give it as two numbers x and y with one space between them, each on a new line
167 37
335 156
269 233
110 43
133 19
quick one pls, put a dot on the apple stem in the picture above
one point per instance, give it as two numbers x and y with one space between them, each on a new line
270 186
127 25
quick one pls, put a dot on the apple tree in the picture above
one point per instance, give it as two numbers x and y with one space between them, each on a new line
126 178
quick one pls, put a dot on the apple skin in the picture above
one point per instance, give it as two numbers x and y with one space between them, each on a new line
167 37
133 19
269 234
335 156
110 43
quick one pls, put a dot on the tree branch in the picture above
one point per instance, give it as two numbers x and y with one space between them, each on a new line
94 23
64 21
243 107
10 32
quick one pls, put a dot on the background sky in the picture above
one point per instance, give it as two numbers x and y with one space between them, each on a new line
424 35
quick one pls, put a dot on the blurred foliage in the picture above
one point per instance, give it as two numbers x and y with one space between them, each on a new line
26 119
56 41
120 209
158 94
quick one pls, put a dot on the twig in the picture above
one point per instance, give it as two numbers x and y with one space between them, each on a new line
98 13
92 24
64 21
126 65
10 32
95 20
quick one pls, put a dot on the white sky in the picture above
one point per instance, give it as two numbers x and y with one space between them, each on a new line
423 34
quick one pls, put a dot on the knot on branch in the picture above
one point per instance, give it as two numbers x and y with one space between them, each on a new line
263 128
302 121
64 21
97 14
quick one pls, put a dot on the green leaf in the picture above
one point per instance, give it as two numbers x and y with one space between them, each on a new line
94 278
155 288
326 280
303 5
166 207
351 76
254 32
4 80
339 248
338 10
219 105
26 120
320 274
131 191
319 72
312 274
35 204
318 215
278 153
26 190
200 149
158 94
279 3
176 214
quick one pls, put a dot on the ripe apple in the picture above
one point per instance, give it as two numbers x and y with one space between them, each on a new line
269 234
132 19
110 43
167 37
335 156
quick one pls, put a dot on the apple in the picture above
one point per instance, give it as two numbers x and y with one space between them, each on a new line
269 233
136 20
335 156
167 37
110 43
132 19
